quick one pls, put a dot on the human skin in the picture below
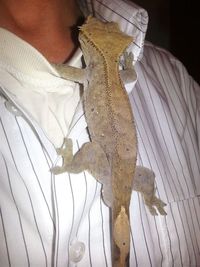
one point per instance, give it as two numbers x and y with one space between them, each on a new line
48 25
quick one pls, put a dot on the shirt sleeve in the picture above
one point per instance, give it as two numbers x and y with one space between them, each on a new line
190 91
176 86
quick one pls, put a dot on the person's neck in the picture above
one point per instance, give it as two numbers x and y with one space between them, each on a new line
47 25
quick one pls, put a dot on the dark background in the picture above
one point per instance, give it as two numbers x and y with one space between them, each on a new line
175 25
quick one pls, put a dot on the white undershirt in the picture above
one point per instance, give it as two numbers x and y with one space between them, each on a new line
50 100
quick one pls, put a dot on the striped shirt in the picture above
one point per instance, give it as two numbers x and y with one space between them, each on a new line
62 221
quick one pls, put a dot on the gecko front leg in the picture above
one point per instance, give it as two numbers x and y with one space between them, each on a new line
70 73
127 73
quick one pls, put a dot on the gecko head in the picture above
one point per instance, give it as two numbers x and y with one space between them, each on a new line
104 36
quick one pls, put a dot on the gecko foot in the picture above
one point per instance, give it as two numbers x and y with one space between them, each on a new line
128 60
153 204
159 205
151 209
66 152
57 170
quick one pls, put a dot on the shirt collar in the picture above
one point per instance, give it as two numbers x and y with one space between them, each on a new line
16 54
132 19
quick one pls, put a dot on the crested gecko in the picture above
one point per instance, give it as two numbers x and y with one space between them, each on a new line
111 155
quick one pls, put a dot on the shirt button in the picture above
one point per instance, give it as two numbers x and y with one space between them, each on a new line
76 251
10 107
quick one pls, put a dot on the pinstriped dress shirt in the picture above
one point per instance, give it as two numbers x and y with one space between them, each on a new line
62 221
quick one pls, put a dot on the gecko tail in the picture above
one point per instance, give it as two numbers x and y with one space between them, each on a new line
121 235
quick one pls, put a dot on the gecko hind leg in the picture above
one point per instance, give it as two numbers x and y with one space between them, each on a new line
144 182
92 158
